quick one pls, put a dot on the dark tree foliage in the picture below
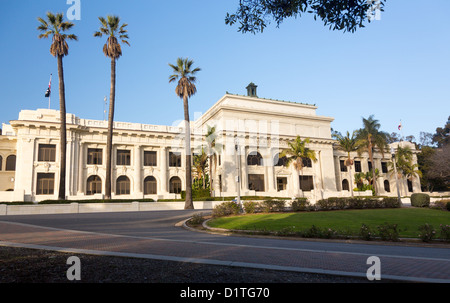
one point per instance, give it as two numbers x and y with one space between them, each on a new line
347 15
442 135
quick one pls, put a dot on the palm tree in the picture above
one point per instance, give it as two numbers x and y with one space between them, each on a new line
296 153
212 147
348 145
185 74
200 166
404 162
55 27
370 138
111 27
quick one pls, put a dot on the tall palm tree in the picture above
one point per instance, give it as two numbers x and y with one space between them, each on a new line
296 153
55 26
347 144
212 147
370 138
111 27
185 74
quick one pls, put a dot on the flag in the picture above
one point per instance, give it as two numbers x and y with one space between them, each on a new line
49 89
400 126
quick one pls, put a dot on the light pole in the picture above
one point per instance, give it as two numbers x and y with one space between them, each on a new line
396 176
238 169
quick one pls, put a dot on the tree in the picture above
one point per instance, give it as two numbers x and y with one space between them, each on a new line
200 166
212 147
185 74
111 27
296 153
370 138
347 15
441 166
442 135
404 162
348 145
55 27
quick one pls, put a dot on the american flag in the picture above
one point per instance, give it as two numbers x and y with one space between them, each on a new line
400 126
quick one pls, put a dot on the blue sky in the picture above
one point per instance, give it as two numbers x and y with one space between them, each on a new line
397 68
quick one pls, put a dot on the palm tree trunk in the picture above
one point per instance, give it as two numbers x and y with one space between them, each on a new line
210 175
63 139
351 180
112 98
374 178
188 202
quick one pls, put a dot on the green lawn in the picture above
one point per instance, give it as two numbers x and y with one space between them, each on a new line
348 221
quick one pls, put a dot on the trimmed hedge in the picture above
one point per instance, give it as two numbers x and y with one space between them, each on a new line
356 203
420 200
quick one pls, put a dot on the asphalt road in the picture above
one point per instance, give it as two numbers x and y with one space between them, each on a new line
154 235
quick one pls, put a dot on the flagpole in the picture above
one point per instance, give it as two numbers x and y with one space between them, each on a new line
49 96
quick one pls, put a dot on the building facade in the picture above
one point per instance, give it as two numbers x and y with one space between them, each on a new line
149 160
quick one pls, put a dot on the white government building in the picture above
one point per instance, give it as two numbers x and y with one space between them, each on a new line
148 160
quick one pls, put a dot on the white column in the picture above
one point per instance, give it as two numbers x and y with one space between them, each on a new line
163 164
137 164
81 161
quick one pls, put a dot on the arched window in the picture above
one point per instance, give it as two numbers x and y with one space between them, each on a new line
11 163
410 185
94 185
123 186
150 185
1 162
254 158
345 185
387 187
277 161
175 185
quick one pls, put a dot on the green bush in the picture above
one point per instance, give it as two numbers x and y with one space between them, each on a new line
426 232
447 205
366 233
445 232
357 203
270 205
250 207
225 209
420 200
300 204
388 232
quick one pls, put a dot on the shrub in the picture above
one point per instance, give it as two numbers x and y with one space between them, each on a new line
447 205
300 204
388 232
366 233
316 232
420 200
250 207
225 209
272 206
197 219
426 232
445 232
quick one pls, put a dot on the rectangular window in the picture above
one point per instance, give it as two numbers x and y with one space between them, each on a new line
369 164
47 153
358 166
149 158
45 184
256 182
306 183
307 162
123 157
281 183
95 156
384 167
342 164
174 159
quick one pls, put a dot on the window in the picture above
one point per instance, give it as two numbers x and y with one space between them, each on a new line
11 163
45 184
345 185
149 158
95 156
387 187
277 161
1 162
47 153
306 183
254 158
370 165
123 186
410 186
342 164
174 159
123 157
220 183
358 166
94 185
256 182
150 185
306 162
281 183
384 167
175 185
